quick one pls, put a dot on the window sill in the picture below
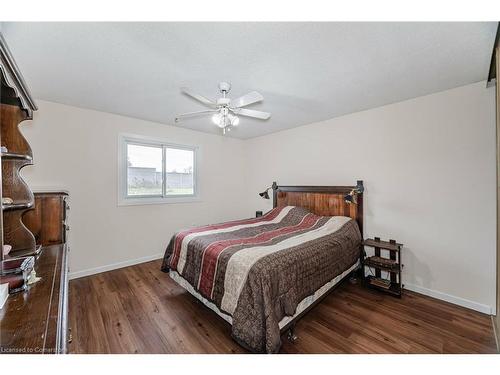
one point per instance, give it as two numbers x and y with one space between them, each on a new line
157 200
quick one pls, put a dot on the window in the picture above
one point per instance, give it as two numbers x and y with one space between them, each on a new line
152 171
144 170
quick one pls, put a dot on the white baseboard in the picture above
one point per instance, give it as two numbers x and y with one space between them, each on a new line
114 266
452 299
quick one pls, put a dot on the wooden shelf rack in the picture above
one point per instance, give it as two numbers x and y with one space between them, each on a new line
392 266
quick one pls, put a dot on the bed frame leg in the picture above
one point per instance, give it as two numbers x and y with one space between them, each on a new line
291 334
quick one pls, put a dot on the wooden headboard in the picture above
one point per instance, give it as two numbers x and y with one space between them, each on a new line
321 200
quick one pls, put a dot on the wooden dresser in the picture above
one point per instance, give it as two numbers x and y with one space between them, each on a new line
35 319
47 221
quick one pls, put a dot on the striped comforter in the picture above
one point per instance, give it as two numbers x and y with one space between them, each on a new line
258 270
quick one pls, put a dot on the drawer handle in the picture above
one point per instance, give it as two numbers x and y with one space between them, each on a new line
70 336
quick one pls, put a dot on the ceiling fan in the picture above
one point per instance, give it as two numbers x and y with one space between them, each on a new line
224 111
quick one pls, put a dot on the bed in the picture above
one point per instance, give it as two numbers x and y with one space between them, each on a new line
262 274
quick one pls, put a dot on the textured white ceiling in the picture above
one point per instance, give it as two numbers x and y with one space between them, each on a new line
307 72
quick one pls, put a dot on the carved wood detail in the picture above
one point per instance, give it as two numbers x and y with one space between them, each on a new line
11 116
16 106
15 232
13 186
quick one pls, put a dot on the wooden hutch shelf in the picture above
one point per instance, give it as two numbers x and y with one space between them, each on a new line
16 107
10 155
17 206
34 317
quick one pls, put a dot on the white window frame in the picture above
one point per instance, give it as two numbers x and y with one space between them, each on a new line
127 200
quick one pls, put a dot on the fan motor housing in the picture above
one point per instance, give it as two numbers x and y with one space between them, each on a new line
224 101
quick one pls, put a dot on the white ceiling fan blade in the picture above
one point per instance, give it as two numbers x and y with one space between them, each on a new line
199 97
251 113
250 98
194 114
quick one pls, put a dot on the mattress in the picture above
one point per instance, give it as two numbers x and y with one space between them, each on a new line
258 272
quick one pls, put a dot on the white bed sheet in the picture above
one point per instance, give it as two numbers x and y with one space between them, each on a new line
304 304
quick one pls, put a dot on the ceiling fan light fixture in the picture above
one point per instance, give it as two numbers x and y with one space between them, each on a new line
234 120
216 119
224 111
219 120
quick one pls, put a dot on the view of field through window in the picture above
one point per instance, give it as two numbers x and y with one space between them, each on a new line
145 172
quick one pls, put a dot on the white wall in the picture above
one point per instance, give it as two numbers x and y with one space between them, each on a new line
76 149
429 170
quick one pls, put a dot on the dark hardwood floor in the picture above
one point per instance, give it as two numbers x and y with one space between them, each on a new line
139 309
